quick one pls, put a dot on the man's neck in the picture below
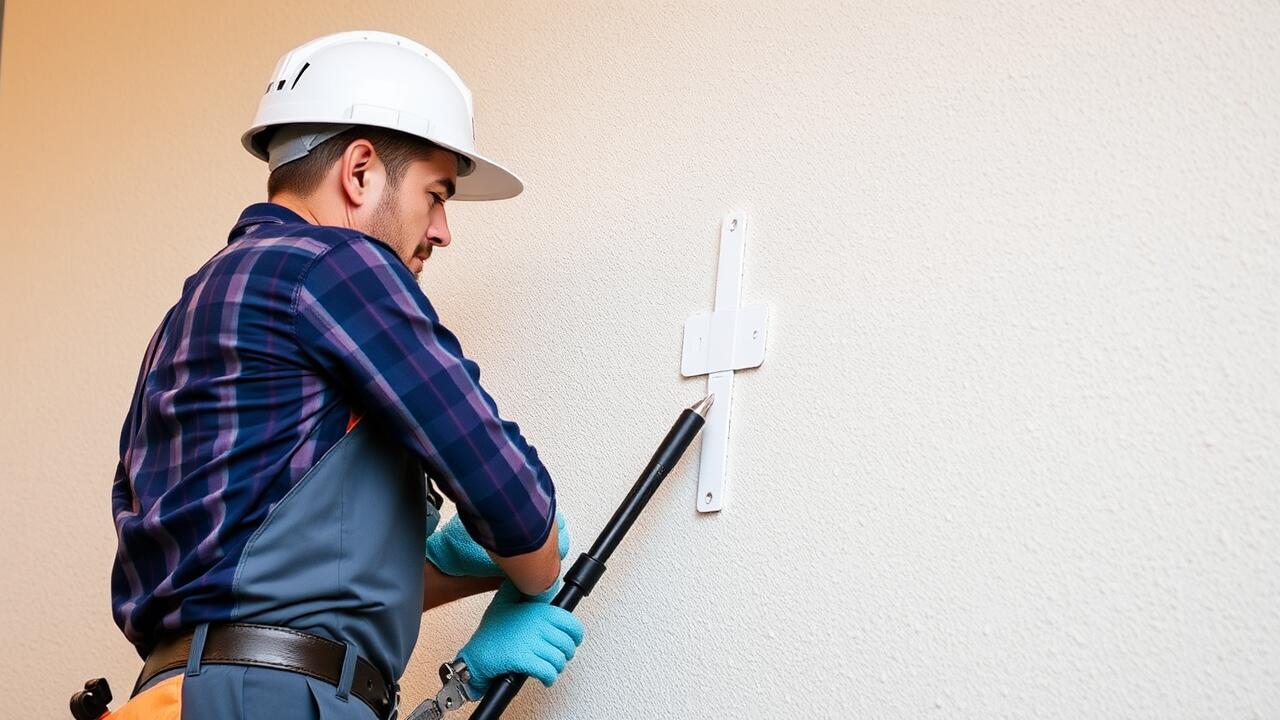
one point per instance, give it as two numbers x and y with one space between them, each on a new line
296 204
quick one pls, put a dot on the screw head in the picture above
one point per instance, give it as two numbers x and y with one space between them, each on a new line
733 224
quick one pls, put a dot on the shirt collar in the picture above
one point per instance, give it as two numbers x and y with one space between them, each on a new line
260 213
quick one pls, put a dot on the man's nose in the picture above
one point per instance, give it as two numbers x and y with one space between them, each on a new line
438 230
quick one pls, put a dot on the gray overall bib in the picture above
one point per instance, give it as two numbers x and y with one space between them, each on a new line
341 555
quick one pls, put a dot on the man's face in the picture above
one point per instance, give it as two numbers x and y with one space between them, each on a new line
411 218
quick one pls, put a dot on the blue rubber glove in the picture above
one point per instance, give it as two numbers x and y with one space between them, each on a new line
452 550
520 634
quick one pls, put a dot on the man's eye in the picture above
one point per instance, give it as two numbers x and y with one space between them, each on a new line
437 198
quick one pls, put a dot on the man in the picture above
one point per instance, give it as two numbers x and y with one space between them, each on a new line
271 500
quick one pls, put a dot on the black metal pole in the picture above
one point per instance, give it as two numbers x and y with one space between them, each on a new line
590 566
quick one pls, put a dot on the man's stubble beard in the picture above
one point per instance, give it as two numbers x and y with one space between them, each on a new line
385 226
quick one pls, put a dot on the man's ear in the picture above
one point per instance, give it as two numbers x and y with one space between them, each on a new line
355 169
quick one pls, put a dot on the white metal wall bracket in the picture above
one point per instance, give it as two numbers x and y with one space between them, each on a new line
715 344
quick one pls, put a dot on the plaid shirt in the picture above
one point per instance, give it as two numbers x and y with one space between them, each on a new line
255 372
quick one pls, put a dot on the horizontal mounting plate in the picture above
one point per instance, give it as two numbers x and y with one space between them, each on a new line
723 340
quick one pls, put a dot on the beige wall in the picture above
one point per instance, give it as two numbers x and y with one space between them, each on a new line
1015 447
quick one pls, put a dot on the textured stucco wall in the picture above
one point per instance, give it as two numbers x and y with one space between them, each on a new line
1014 450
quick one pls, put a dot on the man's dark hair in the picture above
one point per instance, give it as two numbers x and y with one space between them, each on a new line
396 150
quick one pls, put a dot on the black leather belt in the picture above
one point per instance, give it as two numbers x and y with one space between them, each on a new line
279 648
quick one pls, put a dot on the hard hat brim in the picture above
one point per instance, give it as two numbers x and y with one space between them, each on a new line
487 180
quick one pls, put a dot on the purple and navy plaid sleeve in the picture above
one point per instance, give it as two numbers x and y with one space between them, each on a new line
361 317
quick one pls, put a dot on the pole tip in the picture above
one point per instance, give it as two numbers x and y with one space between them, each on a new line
702 406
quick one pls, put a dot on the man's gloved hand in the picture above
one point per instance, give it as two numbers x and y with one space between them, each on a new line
453 551
520 634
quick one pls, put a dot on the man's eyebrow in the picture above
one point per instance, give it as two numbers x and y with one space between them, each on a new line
448 186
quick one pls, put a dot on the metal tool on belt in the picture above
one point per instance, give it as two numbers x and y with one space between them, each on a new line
580 579
452 696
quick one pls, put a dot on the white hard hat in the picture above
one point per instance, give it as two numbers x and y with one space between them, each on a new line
385 80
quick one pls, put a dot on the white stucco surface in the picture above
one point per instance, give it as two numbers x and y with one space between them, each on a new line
1015 447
